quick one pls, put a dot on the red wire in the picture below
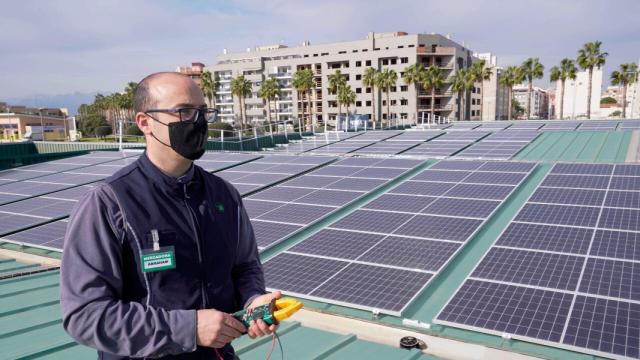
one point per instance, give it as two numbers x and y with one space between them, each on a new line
218 354
273 345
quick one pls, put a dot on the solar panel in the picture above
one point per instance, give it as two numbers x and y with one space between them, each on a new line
330 197
506 309
441 175
461 207
297 213
585 252
299 274
410 253
371 221
422 188
339 244
627 170
438 149
492 150
495 178
625 183
268 233
552 271
476 191
49 235
394 202
435 227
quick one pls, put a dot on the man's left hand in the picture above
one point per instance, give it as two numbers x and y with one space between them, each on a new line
258 327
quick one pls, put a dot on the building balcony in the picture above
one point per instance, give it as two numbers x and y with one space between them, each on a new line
436 108
281 75
422 50
438 93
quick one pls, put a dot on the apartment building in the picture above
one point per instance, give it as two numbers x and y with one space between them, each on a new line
395 50
495 102
539 101
194 71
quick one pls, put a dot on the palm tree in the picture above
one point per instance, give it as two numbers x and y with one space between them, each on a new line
241 88
481 73
531 69
268 91
385 80
209 85
431 80
336 81
369 80
461 83
413 74
566 70
346 96
627 75
511 76
303 83
591 56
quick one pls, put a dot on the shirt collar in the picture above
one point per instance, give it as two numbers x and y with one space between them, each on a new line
160 176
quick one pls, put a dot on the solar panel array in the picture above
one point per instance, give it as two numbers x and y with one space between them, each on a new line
269 170
566 269
499 146
280 211
33 215
598 125
381 256
400 143
20 190
354 143
315 142
563 125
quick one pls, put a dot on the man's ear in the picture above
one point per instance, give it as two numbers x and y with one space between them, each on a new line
144 123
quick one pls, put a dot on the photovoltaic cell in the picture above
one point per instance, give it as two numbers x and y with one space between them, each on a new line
371 221
568 196
268 233
547 237
376 287
50 235
422 188
411 253
406 203
623 219
296 213
531 268
625 183
495 178
435 227
475 191
337 244
559 214
616 244
511 166
534 313
441 175
625 199
299 274
608 326
613 278
577 181
582 169
330 197
462 207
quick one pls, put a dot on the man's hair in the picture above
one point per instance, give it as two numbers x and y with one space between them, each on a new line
142 99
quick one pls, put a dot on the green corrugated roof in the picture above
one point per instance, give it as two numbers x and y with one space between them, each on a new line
578 146
31 328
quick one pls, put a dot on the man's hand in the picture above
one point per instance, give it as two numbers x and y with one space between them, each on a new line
260 328
216 329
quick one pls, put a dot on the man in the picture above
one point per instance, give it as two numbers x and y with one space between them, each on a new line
157 256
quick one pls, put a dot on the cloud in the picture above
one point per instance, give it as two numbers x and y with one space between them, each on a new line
63 46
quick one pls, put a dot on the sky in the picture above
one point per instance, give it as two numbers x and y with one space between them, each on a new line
64 49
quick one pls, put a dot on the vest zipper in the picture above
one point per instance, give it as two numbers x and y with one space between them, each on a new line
192 221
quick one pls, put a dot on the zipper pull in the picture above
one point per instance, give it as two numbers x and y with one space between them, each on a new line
156 240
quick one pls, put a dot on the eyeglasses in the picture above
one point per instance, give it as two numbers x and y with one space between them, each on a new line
190 114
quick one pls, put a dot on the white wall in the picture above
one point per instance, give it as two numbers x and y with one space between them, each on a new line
575 95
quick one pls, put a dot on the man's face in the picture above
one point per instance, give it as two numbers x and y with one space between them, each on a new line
170 92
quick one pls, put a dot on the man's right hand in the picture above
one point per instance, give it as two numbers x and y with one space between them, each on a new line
216 328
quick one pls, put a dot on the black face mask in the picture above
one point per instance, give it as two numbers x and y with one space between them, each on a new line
188 139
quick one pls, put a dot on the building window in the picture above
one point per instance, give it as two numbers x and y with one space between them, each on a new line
306 55
358 90
358 103
393 61
354 51
392 89
368 90
365 50
404 102
358 76
342 52
411 45
404 60
400 46
385 62
315 55
393 102
404 88
376 49
368 63
358 63
368 102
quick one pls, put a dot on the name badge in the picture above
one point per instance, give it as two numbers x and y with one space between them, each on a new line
159 258
164 259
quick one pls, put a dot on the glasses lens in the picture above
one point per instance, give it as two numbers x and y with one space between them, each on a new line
211 115
188 114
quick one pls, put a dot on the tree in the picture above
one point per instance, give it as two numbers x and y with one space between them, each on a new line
336 81
566 70
531 69
209 85
511 76
241 88
303 82
133 130
431 80
413 75
461 83
616 113
517 109
346 96
269 90
386 79
369 80
608 100
627 75
481 73
589 57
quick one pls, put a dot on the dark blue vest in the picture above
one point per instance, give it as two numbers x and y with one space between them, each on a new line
198 218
